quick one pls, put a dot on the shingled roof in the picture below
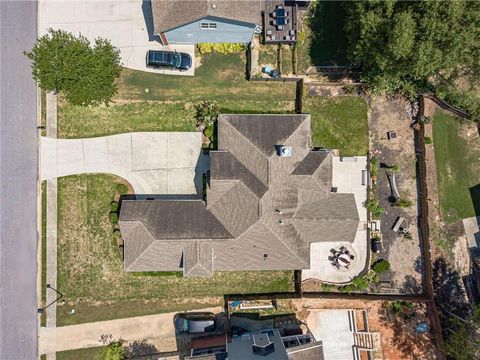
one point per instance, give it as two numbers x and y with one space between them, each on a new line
170 14
262 210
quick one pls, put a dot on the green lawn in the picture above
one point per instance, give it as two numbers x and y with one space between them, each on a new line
458 168
325 41
155 102
339 123
91 275
93 353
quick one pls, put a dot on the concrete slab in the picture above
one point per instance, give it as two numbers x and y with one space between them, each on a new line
472 231
333 329
143 159
347 178
128 24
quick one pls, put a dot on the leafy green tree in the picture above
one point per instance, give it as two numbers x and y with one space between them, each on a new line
381 266
62 62
206 113
114 351
414 45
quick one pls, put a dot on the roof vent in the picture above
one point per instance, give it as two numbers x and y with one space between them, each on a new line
284 151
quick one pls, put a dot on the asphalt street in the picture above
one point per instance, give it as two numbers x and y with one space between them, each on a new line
18 176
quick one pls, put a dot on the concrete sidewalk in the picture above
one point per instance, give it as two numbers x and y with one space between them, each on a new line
152 162
128 24
156 329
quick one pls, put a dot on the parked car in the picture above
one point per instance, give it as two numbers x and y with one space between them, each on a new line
194 322
376 245
158 59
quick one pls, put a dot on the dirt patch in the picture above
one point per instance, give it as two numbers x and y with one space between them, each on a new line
398 339
404 254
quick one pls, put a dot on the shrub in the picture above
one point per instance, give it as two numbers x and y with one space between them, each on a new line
394 168
381 266
404 203
208 132
206 113
374 207
373 166
428 140
114 206
221 48
114 351
122 189
113 217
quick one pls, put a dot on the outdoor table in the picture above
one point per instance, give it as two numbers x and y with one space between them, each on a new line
281 21
280 12
343 260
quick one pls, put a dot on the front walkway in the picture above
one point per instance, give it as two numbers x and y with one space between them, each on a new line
128 24
156 329
347 178
152 162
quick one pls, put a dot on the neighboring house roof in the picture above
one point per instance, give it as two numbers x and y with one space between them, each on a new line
262 210
169 14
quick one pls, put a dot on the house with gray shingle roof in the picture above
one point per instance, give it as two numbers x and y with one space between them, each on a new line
206 21
261 212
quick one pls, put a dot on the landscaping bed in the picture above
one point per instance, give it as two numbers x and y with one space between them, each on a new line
91 273
396 157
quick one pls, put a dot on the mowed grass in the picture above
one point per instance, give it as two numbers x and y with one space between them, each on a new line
91 273
156 102
458 169
93 353
339 123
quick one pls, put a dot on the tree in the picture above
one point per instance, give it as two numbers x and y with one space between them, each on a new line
206 113
414 45
114 351
62 62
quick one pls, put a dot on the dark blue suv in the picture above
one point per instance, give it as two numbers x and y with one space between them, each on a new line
173 60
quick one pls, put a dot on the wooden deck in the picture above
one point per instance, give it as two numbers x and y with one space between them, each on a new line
274 34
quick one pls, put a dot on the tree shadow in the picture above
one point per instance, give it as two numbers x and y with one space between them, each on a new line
328 36
406 340
139 348
449 295
411 285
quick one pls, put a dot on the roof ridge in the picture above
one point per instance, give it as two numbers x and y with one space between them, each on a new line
239 182
250 142
284 244
140 223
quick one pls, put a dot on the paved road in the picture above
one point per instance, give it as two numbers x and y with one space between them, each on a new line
18 176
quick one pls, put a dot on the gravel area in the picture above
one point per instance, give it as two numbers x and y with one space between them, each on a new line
403 254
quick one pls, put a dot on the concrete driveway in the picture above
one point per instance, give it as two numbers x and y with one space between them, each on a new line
128 24
152 162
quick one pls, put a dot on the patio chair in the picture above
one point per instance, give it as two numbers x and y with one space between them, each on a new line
343 248
346 252
280 27
274 22
269 32
352 257
273 14
292 32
